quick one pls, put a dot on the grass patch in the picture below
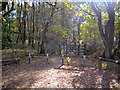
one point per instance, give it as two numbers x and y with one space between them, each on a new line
104 66
73 56
68 60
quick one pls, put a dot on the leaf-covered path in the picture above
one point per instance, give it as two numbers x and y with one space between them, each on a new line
38 74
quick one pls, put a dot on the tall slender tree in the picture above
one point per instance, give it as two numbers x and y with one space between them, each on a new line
24 17
33 25
39 27
19 21
45 29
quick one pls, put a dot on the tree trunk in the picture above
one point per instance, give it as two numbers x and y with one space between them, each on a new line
33 26
74 40
79 30
107 52
45 30
42 51
108 36
28 28
19 22
39 29
30 32
37 36
119 40
59 49
24 35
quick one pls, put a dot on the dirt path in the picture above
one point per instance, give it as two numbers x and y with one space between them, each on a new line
38 74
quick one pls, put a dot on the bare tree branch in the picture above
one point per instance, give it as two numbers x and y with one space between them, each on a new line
3 6
85 11
98 13
50 4
97 7
95 10
12 8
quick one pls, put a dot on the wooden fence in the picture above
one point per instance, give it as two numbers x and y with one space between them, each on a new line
76 49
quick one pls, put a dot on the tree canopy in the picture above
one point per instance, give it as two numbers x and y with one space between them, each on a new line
44 25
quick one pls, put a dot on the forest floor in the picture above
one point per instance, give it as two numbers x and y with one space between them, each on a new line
39 74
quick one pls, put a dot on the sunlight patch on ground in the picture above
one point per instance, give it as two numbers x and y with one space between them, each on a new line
99 81
114 84
55 79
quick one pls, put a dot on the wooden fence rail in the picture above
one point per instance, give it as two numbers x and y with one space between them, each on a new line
10 61
77 49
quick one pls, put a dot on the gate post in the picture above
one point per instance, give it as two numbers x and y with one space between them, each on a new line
78 48
59 49
66 47
66 50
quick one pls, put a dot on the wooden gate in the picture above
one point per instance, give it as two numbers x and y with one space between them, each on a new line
74 49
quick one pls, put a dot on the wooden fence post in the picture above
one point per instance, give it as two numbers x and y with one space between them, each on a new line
78 48
66 48
59 49
84 49
63 48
